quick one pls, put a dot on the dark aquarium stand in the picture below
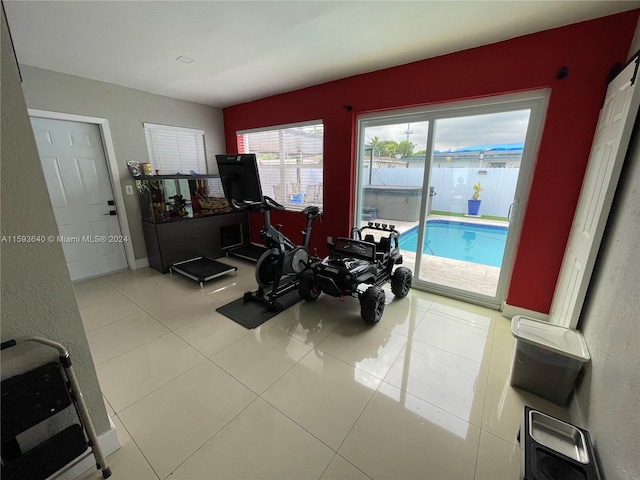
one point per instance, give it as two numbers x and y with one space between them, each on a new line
188 224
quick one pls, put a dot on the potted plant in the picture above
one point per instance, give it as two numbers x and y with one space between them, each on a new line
473 204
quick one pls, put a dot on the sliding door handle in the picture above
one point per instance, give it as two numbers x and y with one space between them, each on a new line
511 216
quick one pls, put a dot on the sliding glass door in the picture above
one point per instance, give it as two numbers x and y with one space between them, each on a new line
451 179
390 186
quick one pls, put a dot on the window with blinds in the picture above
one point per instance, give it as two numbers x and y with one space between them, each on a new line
290 162
175 149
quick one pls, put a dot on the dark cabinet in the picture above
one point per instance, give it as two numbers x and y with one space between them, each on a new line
186 217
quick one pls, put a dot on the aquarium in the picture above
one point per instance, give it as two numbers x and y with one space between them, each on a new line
171 198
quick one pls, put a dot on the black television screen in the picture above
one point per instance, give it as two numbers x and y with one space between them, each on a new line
240 177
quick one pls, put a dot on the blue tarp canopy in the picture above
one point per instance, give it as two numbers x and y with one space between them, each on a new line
495 147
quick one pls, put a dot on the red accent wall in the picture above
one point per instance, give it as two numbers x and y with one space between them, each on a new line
588 49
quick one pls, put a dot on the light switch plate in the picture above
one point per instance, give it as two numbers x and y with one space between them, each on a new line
129 189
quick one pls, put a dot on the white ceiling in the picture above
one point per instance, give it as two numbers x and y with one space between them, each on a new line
247 50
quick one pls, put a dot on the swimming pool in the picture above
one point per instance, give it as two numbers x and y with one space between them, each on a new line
469 242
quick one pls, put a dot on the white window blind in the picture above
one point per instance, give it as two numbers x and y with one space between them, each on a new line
175 149
290 162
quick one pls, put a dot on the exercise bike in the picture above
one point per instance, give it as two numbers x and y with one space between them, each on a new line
277 269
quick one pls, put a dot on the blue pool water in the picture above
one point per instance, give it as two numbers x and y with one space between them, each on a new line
469 242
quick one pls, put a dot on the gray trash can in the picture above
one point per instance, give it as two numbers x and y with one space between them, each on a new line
546 358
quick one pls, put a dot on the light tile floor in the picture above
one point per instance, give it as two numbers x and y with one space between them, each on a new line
314 393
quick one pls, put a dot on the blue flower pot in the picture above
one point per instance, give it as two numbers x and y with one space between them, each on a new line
473 206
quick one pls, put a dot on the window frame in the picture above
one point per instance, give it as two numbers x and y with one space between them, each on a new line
197 162
308 193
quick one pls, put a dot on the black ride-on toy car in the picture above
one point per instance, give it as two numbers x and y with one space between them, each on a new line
359 266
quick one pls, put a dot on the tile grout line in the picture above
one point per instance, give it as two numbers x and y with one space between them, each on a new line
138 447
212 436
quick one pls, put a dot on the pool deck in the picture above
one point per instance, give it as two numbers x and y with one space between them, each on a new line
472 277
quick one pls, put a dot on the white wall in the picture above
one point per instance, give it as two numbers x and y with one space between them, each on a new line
37 294
126 110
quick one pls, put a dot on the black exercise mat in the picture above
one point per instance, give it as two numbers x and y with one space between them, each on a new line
252 314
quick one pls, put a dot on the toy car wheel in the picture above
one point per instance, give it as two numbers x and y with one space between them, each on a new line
372 304
266 268
401 281
307 289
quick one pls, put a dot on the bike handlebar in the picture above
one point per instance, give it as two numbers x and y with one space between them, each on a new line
271 204
268 203
243 205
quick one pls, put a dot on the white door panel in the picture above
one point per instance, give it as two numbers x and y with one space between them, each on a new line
608 151
79 187
72 253
52 172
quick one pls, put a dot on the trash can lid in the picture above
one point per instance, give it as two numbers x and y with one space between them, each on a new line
564 341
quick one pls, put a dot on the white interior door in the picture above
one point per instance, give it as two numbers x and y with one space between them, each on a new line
608 151
75 170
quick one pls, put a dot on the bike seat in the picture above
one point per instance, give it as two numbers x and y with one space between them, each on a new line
311 211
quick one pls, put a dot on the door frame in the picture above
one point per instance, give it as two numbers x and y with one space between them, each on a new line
537 101
112 169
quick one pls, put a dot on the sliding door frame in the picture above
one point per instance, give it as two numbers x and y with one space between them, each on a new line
536 101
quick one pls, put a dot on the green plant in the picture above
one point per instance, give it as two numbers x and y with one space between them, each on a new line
477 188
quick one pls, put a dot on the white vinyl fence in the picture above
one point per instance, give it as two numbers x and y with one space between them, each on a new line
454 186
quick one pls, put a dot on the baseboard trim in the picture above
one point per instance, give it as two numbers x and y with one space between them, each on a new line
510 311
575 409
141 263
109 443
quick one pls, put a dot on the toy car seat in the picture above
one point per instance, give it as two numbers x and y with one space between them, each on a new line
384 246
